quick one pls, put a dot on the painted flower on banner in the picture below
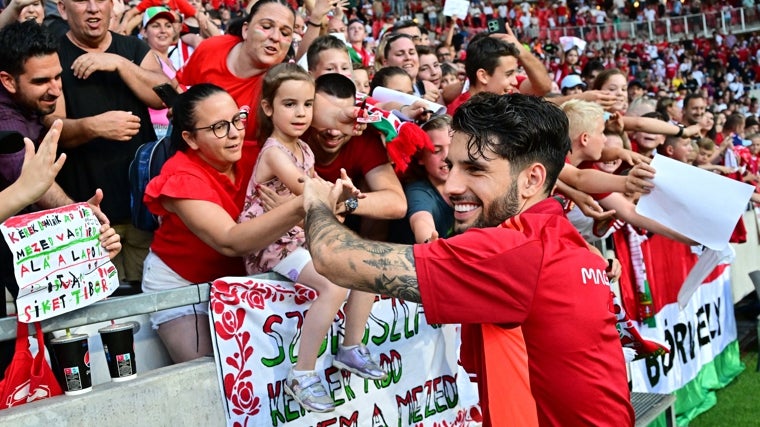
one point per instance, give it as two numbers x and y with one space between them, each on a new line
244 400
229 323
304 294
265 290
253 298
224 295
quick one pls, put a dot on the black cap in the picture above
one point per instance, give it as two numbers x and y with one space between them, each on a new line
636 83
11 142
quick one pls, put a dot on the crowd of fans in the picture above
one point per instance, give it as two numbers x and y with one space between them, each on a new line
94 63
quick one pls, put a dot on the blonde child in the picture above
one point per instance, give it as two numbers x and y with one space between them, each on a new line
285 113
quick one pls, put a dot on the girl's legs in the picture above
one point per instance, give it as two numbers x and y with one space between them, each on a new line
303 383
353 356
319 317
357 311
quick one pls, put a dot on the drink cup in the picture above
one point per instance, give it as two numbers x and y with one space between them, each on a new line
118 344
73 360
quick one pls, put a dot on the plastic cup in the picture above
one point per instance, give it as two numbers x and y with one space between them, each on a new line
73 361
118 344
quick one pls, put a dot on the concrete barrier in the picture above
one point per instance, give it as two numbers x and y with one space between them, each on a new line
186 394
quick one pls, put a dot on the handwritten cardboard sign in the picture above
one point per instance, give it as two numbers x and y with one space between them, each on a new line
58 261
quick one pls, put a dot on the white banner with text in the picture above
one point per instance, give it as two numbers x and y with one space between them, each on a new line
694 335
256 326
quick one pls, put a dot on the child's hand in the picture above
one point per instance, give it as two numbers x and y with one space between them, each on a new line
433 237
693 130
638 179
349 190
615 124
725 170
110 240
633 158
606 99
592 209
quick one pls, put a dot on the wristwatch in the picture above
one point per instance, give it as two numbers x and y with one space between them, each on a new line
351 204
680 131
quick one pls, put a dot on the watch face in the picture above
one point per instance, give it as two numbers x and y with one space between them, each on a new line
352 204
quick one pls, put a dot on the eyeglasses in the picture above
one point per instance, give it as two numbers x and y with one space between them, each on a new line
222 128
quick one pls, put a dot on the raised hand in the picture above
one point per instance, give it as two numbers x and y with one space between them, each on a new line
40 169
639 179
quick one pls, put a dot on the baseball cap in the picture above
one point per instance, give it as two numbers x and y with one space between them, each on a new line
156 12
571 81
636 83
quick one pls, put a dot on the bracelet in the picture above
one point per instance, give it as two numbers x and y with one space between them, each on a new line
308 22
680 131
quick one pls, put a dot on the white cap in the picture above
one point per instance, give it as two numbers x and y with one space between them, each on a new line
571 81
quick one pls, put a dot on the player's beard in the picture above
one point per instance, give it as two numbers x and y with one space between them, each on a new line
503 208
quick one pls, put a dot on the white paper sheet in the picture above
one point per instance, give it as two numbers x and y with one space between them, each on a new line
456 7
701 205
568 43
383 94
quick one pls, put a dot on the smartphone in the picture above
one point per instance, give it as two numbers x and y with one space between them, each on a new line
167 93
496 26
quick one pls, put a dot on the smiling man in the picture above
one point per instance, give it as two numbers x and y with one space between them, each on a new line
516 262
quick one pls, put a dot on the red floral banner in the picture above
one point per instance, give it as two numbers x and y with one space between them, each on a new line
257 327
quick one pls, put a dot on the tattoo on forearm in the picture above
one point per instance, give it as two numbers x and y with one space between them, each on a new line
360 264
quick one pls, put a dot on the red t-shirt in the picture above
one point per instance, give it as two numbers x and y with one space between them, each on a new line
208 64
187 176
536 272
459 100
670 70
358 156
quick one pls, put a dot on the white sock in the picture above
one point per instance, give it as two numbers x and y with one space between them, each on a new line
302 373
348 347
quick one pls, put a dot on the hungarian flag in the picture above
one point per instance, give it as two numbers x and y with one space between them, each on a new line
704 352
402 139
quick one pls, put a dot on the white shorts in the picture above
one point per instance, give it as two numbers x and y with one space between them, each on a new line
157 276
292 265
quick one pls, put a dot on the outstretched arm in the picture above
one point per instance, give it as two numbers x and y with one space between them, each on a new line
350 261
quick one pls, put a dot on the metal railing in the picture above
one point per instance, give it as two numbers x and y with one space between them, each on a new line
675 28
121 307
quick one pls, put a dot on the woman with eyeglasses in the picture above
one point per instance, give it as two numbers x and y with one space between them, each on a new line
198 197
